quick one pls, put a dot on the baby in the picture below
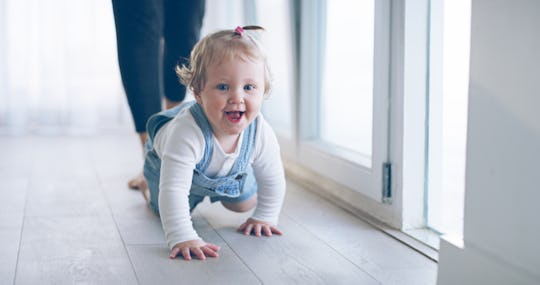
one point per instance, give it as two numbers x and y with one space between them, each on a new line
219 146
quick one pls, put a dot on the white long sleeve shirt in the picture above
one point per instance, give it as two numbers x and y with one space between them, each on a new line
180 145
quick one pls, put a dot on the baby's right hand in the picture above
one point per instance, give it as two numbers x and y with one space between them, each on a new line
197 247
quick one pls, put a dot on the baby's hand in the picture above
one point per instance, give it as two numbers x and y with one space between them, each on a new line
255 226
198 247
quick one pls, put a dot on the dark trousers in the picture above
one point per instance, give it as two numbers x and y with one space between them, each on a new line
153 36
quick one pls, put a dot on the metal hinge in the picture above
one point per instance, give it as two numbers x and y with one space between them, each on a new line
387 183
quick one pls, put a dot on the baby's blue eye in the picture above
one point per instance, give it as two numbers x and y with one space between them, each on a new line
249 87
223 87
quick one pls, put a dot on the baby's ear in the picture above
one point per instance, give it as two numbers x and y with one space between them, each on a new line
197 96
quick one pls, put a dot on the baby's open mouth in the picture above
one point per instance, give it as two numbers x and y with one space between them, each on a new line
234 116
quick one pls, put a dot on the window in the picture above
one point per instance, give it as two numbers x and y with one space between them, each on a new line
342 105
347 99
447 114
274 16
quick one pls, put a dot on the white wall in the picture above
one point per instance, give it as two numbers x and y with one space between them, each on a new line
502 220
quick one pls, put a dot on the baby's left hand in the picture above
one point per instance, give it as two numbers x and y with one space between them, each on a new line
256 227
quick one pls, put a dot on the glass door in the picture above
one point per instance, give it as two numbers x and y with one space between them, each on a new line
345 91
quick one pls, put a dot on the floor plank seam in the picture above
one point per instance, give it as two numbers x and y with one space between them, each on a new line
20 242
331 247
141 245
232 249
113 217
370 220
23 220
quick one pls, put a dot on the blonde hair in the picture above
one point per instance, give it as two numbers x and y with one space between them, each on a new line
219 46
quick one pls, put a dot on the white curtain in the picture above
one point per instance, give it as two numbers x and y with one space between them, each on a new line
58 65
59 71
221 14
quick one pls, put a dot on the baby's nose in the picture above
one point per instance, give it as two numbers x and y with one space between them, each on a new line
236 98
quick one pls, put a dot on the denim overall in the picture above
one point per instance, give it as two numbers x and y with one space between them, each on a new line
236 186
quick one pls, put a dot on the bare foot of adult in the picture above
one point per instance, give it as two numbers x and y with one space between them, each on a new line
146 194
138 182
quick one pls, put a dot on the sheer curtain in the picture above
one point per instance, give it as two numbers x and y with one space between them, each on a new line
58 65
59 68
221 14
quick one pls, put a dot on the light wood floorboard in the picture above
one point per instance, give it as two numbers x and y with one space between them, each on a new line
68 217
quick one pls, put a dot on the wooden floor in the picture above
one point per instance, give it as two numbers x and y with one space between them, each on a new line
67 217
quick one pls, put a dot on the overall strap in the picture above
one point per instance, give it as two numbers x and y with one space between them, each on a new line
206 128
156 121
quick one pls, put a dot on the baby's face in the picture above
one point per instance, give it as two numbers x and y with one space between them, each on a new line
232 95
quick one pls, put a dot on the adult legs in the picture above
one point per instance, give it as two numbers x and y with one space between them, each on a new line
138 31
139 25
182 26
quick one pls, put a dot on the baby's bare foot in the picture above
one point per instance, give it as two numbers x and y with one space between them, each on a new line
138 182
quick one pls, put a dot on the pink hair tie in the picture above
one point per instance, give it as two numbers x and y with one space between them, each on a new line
239 31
